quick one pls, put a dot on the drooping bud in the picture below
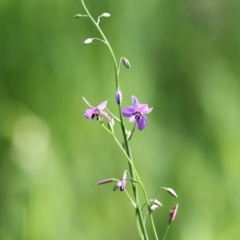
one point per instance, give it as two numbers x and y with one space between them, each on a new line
155 201
173 213
77 16
105 181
117 185
126 62
123 181
88 41
171 192
156 204
105 15
154 207
118 96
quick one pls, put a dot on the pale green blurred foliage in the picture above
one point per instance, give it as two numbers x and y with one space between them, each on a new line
185 58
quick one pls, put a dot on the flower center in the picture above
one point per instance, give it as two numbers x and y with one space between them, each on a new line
137 115
95 115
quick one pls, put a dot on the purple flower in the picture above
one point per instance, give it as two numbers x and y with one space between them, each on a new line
173 213
137 112
96 112
123 181
118 96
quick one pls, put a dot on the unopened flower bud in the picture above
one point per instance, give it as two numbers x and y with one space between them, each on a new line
156 204
105 15
154 207
126 62
105 181
155 201
123 181
173 213
171 192
88 41
118 97
117 185
77 16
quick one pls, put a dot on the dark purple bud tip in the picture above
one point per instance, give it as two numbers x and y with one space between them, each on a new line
118 97
173 213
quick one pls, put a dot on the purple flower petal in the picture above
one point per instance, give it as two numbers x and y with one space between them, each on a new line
88 113
132 119
141 122
148 110
102 105
106 114
123 181
142 107
128 111
135 102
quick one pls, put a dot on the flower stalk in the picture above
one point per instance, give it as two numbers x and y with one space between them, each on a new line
128 151
135 113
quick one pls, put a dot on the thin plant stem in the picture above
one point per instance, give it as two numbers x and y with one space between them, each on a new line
139 181
128 150
165 234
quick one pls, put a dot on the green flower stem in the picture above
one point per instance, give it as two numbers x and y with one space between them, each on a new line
132 202
138 210
141 184
165 234
105 39
139 181
128 151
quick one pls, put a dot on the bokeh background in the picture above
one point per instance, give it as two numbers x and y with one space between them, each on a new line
185 58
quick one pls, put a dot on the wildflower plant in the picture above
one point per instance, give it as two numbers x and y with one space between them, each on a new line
136 113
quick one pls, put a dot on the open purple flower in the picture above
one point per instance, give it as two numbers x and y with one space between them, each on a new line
137 112
96 112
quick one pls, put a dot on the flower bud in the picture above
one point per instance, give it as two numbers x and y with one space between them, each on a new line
77 16
117 185
123 181
118 97
155 201
105 181
173 213
154 207
126 62
105 15
156 204
88 41
171 192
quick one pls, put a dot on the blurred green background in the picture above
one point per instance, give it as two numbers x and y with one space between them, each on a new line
185 58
